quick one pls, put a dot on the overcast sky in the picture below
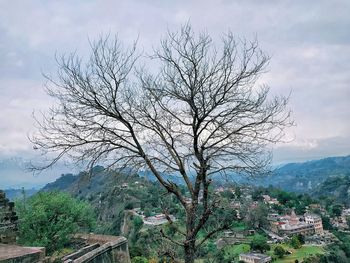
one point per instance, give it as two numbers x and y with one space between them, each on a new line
308 41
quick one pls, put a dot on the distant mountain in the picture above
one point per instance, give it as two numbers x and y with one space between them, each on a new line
13 194
337 187
293 177
307 176
62 183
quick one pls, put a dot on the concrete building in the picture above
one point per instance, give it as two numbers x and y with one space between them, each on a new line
316 221
270 200
295 229
254 258
290 225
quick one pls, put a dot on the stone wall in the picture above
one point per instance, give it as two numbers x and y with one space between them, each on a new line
8 220
102 249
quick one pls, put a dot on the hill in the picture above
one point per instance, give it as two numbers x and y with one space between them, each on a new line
110 193
293 177
307 176
336 187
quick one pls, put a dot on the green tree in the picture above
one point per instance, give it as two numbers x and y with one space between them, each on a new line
301 239
259 243
139 260
348 221
257 217
295 242
279 251
137 224
50 218
337 210
326 222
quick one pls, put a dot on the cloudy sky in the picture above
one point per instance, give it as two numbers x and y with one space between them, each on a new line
309 42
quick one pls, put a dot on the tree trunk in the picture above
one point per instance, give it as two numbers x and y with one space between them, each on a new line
190 242
189 249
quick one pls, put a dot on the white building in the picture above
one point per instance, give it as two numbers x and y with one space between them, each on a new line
316 221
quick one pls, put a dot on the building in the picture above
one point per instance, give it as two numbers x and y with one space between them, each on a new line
316 221
158 219
270 200
290 225
295 229
254 258
273 217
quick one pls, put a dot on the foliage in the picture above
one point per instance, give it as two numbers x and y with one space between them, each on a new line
257 217
336 188
336 210
49 219
303 177
259 242
137 224
301 239
347 218
326 222
139 260
295 242
299 254
279 251
286 199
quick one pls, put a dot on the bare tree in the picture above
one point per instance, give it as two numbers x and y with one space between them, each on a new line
202 114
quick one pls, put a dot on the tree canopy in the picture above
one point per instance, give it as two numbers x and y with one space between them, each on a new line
197 114
49 219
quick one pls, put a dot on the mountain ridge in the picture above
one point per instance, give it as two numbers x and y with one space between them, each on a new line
294 177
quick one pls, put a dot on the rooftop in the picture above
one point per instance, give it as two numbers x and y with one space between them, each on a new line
255 255
13 251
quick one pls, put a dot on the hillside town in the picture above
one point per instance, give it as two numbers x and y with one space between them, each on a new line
283 227
266 224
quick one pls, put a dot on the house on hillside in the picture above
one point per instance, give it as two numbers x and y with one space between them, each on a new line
307 225
316 221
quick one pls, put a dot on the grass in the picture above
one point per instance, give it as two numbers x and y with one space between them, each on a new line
235 250
298 254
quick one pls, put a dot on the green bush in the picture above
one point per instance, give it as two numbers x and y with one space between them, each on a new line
139 260
49 219
279 251
259 243
295 242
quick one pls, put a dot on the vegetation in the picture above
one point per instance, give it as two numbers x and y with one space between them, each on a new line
295 242
301 254
111 200
259 243
279 251
49 219
335 189
306 177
